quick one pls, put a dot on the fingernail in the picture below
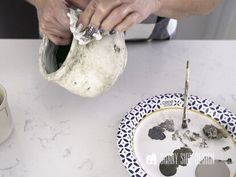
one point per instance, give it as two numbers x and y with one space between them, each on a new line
112 32
101 31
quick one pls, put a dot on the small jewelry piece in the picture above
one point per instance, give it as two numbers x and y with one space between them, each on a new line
89 32
83 34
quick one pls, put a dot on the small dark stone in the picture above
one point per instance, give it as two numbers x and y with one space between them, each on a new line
116 48
182 155
226 148
184 124
203 144
168 125
197 135
213 132
192 138
157 133
229 161
168 166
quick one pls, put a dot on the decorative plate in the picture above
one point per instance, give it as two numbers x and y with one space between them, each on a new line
135 146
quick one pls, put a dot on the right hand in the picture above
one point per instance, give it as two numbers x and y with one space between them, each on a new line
53 20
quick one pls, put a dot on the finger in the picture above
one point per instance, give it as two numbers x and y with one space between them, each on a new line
62 34
129 21
86 15
100 12
53 24
57 40
56 16
63 25
62 18
116 17
58 31
49 22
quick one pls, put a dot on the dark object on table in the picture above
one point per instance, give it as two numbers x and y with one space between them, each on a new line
157 133
182 155
168 125
169 165
226 148
213 132
228 161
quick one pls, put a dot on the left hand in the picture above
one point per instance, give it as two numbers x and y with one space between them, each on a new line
118 15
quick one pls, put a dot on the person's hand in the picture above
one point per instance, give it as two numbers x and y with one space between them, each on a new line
53 20
118 15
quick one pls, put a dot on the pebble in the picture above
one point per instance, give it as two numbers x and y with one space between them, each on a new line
157 133
168 125
168 166
213 132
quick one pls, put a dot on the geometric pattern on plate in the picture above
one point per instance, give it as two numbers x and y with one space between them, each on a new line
131 120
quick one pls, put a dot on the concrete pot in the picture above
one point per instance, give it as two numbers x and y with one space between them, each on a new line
86 70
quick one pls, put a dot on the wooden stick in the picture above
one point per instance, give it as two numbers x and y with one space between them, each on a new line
186 94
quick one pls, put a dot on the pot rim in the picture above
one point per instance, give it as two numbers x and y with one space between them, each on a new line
56 75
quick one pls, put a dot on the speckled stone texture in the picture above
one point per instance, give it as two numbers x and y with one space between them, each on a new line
88 70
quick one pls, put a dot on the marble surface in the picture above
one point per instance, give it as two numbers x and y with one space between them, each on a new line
58 134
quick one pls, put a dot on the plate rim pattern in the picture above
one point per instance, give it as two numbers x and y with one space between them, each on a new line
144 108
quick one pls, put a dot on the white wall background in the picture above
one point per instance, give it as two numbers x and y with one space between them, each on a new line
220 24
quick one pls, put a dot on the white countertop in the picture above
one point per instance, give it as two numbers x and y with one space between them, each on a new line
58 134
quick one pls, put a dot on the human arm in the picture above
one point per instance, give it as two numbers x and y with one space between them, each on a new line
122 14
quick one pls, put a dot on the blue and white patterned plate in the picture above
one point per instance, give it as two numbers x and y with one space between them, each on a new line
143 109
